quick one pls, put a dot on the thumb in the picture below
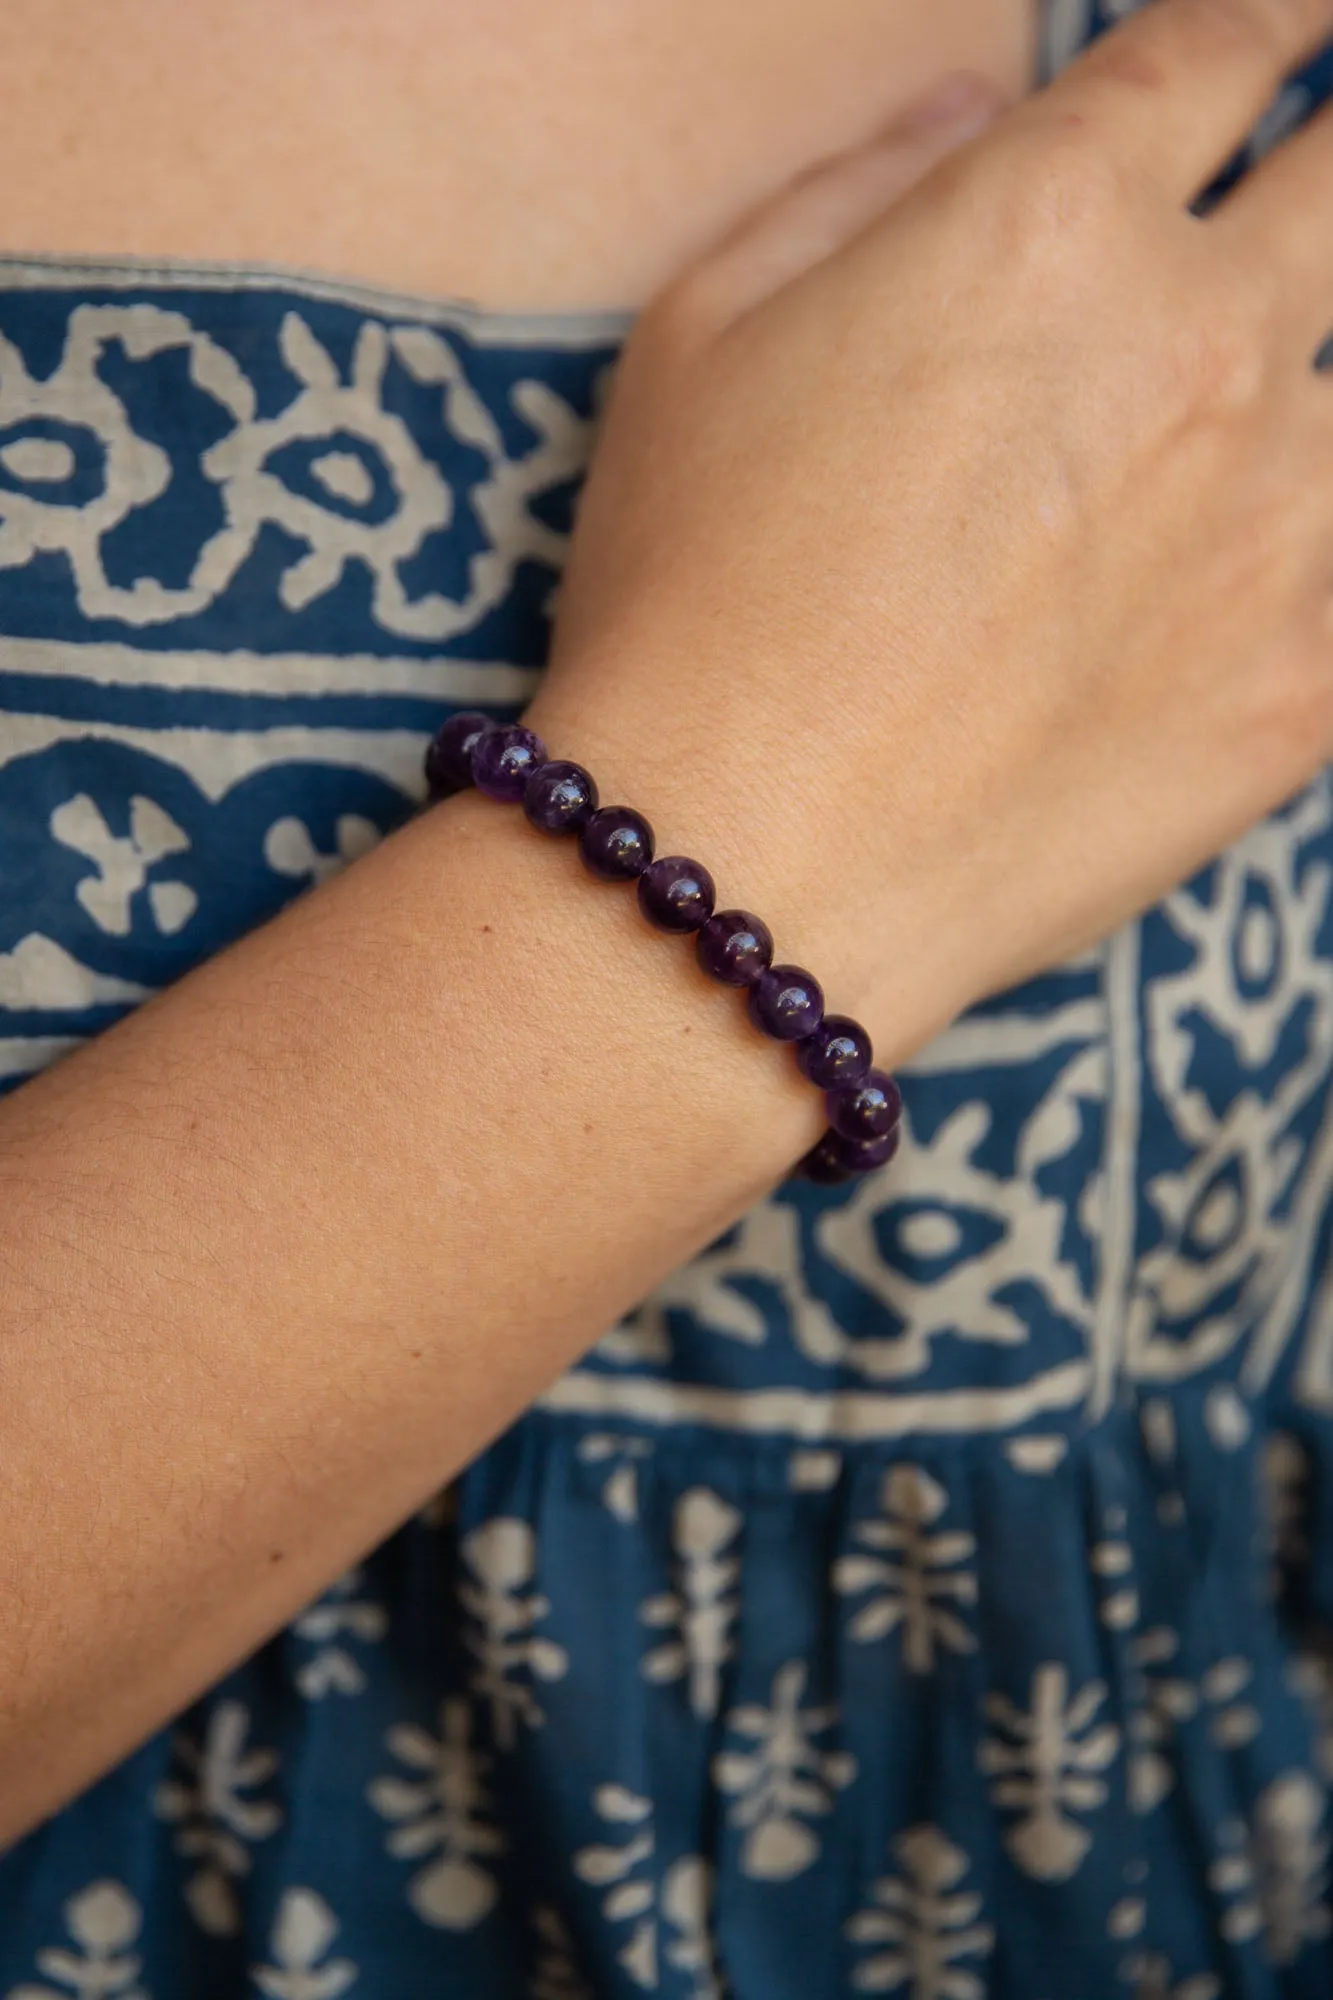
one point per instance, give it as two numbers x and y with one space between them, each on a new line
834 201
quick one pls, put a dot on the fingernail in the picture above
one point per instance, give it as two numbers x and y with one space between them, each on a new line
961 99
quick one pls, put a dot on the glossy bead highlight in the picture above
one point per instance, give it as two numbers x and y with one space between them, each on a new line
449 758
868 1110
837 1053
824 1163
676 894
735 947
617 843
560 797
504 759
864 1156
787 1003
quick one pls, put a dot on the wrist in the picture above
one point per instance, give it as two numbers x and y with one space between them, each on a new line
627 1054
814 867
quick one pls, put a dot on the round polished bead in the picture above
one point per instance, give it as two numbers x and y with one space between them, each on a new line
735 947
837 1053
504 759
449 758
867 1110
676 894
862 1156
824 1162
560 797
833 1158
786 1003
617 843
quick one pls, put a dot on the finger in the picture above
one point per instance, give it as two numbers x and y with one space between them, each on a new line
1281 216
815 215
1177 87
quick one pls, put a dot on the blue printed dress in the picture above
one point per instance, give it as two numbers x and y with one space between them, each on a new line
922 1592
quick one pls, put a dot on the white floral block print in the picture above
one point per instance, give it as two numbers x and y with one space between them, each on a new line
216 1822
1162 1700
446 1807
123 863
676 1909
623 1868
1045 1771
303 1933
921 1924
1276 1878
916 1575
1150 1977
103 1921
336 1628
783 1779
502 1610
701 1610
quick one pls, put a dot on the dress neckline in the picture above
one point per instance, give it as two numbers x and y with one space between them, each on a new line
37 270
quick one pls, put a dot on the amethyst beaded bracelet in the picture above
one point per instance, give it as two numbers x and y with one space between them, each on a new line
509 763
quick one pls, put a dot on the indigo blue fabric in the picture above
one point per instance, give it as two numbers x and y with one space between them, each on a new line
922 1593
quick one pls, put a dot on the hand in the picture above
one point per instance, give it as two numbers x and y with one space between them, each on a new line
955 578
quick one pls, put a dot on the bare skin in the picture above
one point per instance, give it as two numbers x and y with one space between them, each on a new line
501 150
254 1306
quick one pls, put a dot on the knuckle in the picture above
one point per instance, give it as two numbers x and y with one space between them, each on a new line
1264 30
1283 25
1263 35
1156 50
1215 360
1057 197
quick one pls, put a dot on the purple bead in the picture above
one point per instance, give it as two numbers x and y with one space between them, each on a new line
449 759
786 1003
504 759
617 843
824 1162
560 797
833 1158
735 947
837 1053
863 1156
676 894
867 1110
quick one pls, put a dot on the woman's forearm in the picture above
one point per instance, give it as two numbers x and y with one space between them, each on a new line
285 1247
